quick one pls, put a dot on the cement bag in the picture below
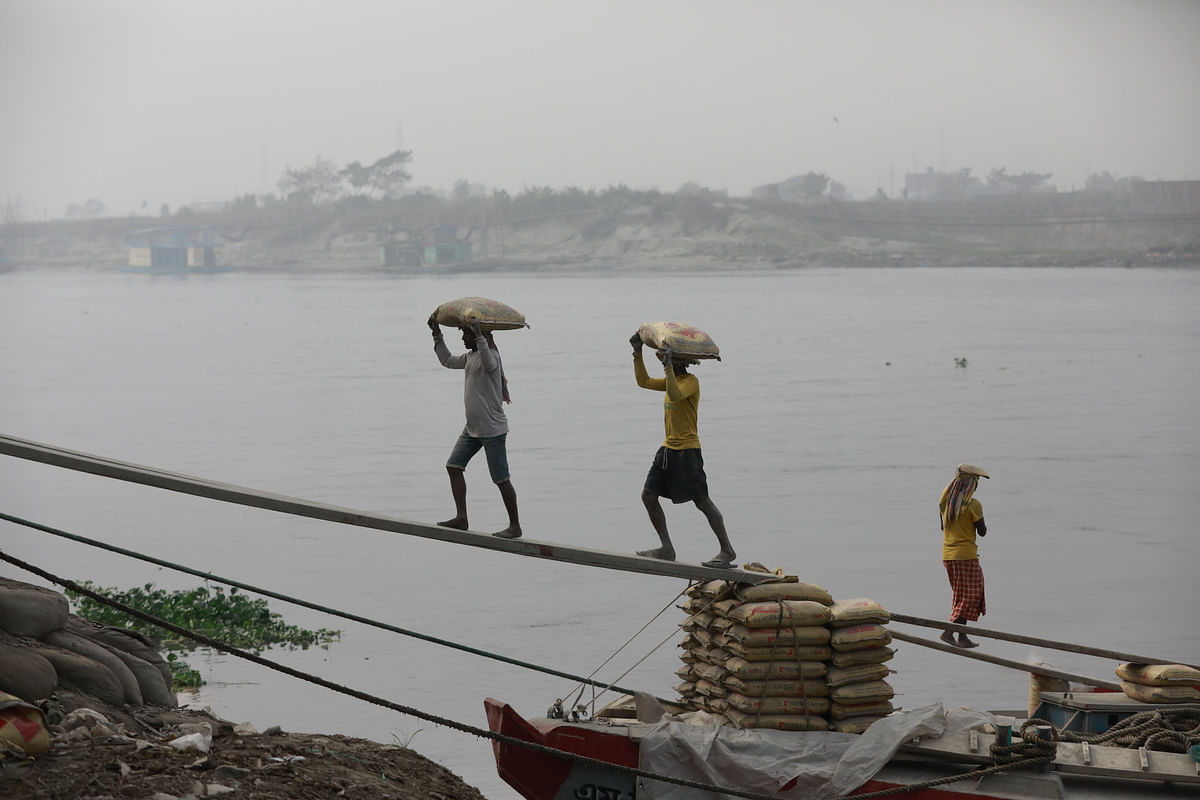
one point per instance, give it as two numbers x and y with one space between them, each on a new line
852 724
28 610
777 705
780 722
709 672
1161 694
758 670
861 692
23 725
686 342
874 708
857 612
785 591
785 613
1043 683
686 689
778 687
715 590
26 674
1159 674
860 637
781 653
768 637
698 621
872 655
492 314
841 676
710 689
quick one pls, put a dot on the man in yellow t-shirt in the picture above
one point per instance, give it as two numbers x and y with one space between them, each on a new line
961 518
677 471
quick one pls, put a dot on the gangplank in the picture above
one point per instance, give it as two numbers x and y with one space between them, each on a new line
254 498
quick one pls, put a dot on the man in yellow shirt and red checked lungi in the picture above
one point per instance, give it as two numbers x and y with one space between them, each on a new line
961 518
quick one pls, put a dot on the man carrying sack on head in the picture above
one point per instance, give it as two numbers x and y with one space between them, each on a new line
961 518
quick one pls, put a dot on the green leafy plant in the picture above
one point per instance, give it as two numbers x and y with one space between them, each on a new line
231 617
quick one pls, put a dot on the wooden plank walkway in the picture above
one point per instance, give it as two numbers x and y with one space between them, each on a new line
228 493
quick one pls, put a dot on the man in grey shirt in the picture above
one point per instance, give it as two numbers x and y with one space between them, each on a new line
484 392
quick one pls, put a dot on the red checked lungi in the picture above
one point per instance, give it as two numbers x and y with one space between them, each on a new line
966 579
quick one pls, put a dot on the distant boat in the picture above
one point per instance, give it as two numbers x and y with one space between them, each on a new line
174 250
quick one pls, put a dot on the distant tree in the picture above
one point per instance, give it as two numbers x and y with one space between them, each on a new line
462 190
813 184
387 177
92 209
165 211
838 191
880 194
1101 183
317 184
1025 182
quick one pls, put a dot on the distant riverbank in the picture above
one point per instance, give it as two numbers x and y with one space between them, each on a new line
669 233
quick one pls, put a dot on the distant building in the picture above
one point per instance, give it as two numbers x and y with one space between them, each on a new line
1166 195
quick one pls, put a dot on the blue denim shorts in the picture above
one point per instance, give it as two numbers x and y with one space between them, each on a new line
493 447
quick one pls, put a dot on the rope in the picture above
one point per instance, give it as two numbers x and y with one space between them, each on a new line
1167 731
616 652
208 576
374 699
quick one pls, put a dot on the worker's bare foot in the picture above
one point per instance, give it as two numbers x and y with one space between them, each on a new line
722 560
511 532
966 643
459 523
948 638
661 553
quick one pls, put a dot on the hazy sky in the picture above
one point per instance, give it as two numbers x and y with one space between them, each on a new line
159 101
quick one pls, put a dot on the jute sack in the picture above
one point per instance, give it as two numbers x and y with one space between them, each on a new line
1161 694
709 672
701 620
780 722
781 652
841 676
24 673
492 314
133 643
860 637
767 637
872 655
778 705
857 612
861 692
758 670
710 689
784 591
1159 674
85 674
873 708
685 341
23 725
852 725
778 687
786 613
28 610
98 652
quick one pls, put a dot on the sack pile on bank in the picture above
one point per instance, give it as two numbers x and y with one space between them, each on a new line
783 655
1160 683
43 647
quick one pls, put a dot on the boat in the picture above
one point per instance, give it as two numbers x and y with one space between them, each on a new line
174 250
956 763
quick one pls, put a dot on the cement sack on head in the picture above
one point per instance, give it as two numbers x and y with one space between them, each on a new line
492 314
686 342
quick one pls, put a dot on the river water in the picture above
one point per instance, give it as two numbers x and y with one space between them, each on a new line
843 403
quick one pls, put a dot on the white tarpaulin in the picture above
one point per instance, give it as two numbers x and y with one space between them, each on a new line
823 764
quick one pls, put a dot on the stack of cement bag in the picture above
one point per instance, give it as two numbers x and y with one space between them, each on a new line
1160 683
783 655
44 648
757 654
858 691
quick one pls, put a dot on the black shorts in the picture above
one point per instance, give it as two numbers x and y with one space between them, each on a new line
677 474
